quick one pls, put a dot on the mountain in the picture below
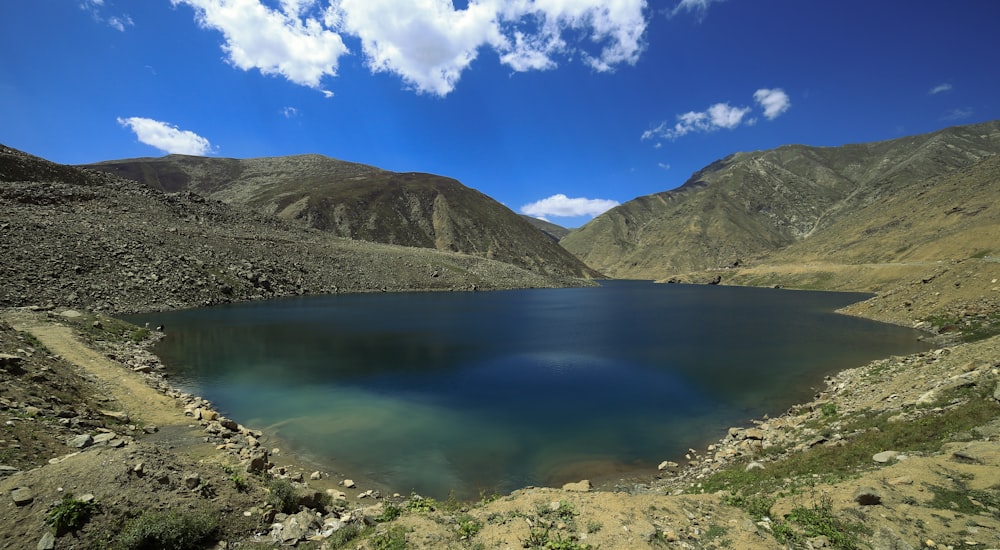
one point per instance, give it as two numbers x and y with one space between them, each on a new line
552 230
83 238
876 202
363 203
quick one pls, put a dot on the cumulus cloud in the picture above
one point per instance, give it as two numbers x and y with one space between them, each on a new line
561 206
427 43
774 101
940 89
166 137
289 112
721 116
273 41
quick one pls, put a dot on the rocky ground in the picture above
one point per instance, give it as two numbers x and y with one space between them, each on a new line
98 451
86 239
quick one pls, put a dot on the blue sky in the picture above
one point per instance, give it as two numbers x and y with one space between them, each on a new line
558 108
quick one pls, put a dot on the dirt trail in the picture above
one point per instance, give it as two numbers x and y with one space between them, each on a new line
140 401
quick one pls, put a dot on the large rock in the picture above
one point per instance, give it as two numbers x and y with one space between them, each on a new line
22 496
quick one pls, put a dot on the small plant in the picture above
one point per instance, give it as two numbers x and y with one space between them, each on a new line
468 526
174 530
828 409
418 503
389 512
344 535
540 539
282 496
237 478
70 514
594 526
486 497
392 539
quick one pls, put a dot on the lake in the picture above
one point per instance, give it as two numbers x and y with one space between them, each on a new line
461 392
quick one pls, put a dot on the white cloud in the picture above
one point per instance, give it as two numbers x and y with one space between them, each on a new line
427 43
663 165
721 115
774 101
166 137
955 115
289 112
562 206
940 88
699 7
273 41
119 23
96 7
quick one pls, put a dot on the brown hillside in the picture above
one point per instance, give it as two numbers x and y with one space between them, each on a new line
804 201
363 203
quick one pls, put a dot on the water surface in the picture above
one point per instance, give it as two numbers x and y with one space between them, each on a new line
439 392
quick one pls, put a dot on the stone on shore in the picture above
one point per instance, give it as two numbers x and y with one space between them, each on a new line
885 456
580 486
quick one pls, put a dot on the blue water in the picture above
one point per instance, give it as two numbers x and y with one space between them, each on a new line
442 392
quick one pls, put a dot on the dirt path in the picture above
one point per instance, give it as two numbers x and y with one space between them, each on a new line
140 401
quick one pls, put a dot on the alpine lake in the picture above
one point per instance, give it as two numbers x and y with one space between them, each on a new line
456 393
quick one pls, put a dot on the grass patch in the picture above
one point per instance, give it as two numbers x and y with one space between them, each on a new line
417 503
961 499
343 536
877 434
174 530
389 512
816 521
468 526
972 329
391 539
543 539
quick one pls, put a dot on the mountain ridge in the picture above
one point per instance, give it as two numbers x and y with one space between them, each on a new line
749 205
362 202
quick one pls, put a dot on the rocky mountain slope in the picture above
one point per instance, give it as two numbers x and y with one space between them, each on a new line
84 238
557 232
808 203
361 202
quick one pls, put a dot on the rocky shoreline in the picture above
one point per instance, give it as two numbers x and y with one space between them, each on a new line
907 387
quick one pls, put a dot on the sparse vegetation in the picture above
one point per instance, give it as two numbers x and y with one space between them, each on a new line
173 530
393 538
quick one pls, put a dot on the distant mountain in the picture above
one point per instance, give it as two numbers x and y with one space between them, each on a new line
869 202
363 203
552 230
74 237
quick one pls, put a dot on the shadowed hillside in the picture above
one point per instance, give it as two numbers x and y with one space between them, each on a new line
809 203
84 238
363 203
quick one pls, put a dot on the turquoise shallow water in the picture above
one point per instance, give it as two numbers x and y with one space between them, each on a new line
441 392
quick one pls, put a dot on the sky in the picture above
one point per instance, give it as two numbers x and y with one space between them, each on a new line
559 109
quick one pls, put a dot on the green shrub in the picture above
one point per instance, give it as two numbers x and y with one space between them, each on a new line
70 514
389 512
282 496
468 526
393 539
168 531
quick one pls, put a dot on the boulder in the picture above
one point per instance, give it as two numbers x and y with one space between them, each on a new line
80 441
22 496
885 456
581 486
